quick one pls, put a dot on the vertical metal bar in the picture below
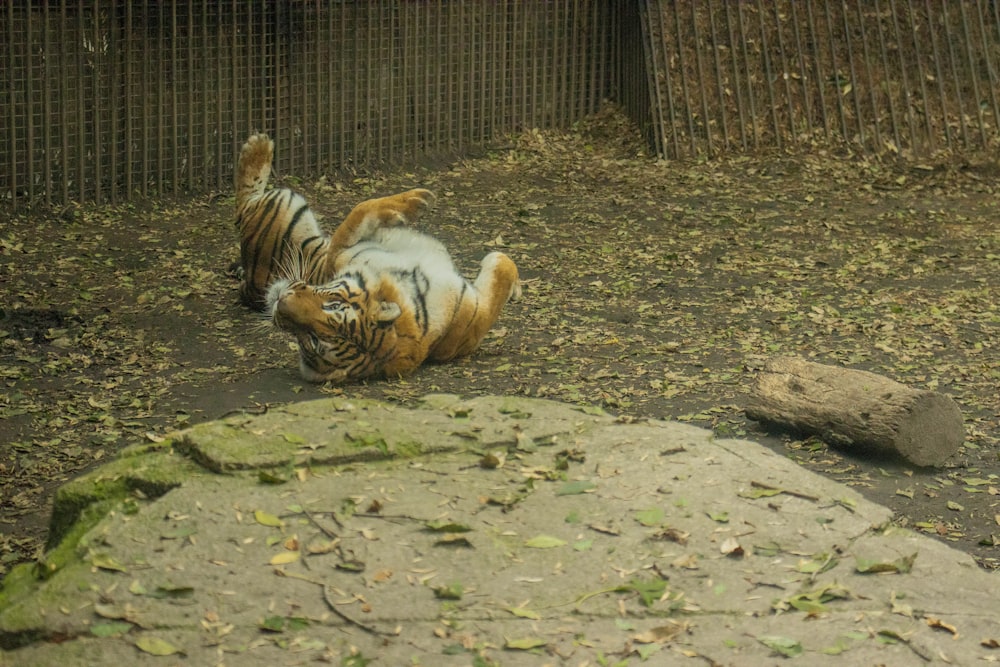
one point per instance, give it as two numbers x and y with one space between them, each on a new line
595 44
81 147
885 68
818 74
278 88
867 59
308 89
803 69
537 63
974 76
235 142
573 88
737 88
128 58
174 149
990 66
490 49
523 60
560 57
607 40
12 109
907 93
652 47
768 73
412 64
833 68
361 116
332 100
345 85
855 88
951 44
48 123
375 101
97 101
749 82
369 105
685 87
159 108
917 52
657 42
783 72
114 70
501 101
192 72
389 92
495 104
206 57
484 37
29 105
435 137
701 77
718 76
64 102
464 71
939 75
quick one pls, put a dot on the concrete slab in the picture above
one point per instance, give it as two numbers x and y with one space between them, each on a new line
493 531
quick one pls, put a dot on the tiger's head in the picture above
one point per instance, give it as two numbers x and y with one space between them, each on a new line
343 330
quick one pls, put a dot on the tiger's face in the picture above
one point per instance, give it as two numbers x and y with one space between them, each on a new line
342 329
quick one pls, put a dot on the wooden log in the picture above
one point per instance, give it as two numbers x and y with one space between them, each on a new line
857 410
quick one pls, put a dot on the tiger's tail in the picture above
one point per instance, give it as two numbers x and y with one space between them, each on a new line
253 168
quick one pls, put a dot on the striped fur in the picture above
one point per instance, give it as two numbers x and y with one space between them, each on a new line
372 299
279 235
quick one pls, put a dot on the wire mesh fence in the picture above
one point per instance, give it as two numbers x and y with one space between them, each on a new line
908 77
105 100
111 99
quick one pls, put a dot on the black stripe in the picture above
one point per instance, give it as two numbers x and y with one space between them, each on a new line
267 212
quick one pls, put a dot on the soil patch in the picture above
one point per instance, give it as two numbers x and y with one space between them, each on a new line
652 289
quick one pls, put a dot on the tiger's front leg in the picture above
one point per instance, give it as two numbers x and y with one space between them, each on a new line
365 218
496 284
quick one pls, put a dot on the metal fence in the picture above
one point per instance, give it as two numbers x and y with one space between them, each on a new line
907 77
109 99
114 99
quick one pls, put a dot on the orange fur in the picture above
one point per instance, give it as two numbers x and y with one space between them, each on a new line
375 298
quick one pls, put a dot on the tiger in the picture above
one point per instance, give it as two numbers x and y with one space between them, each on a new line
374 299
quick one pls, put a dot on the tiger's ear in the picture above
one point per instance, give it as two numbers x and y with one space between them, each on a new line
388 312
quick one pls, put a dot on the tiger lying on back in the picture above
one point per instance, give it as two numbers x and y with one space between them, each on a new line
373 298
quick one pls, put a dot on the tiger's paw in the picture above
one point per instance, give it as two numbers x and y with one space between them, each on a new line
397 209
256 152
515 291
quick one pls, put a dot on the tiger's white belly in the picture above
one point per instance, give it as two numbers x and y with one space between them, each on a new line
400 249
415 259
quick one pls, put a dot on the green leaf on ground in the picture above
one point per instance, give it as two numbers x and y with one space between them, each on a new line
452 591
899 566
544 542
269 520
784 645
156 646
446 527
650 590
576 488
110 629
523 612
524 644
650 517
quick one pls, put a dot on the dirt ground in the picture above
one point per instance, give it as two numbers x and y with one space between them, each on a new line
651 289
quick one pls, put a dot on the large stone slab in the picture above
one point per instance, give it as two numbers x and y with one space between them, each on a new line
508 531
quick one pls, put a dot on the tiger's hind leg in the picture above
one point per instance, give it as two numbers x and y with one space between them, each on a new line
496 284
371 214
253 168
